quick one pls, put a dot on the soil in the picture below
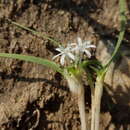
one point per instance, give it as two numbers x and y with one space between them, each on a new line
33 97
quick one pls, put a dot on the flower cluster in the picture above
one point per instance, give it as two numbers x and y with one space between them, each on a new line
74 51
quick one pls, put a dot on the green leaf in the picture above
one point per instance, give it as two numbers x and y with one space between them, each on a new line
123 21
95 65
34 59
35 32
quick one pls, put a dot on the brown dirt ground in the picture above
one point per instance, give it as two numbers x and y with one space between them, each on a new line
33 97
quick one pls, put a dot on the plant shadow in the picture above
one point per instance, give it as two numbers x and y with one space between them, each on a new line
52 105
54 83
118 107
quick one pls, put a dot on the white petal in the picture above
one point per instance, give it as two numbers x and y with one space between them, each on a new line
59 49
79 41
88 53
56 56
71 56
90 46
62 59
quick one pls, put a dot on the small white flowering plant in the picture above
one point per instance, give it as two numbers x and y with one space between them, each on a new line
73 54
75 59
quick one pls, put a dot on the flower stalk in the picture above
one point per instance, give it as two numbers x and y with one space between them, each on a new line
97 102
77 88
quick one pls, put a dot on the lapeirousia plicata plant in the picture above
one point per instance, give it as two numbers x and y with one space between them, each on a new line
75 59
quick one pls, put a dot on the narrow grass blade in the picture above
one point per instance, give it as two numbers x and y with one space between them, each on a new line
34 59
35 32
123 21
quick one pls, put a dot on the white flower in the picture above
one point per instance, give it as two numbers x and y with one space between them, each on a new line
74 51
64 52
82 47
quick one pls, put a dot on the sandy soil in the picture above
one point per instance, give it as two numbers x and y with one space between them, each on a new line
33 97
